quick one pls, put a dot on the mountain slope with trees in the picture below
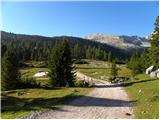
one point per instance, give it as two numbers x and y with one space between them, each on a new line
34 47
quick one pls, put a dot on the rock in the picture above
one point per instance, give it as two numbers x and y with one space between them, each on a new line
149 70
153 74
143 112
129 114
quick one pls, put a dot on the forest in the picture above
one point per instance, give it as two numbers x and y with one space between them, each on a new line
31 47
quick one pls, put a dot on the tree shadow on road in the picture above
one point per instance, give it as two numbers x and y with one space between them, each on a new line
14 104
101 102
124 84
137 81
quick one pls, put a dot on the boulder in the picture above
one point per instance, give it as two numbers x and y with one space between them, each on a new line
155 73
149 70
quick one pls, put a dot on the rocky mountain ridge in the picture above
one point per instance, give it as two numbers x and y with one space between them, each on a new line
120 41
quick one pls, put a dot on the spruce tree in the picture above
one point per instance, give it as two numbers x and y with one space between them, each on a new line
114 69
135 63
104 55
154 50
3 50
55 73
109 57
68 68
145 61
9 73
61 67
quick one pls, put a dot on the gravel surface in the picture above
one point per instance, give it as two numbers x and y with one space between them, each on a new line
104 102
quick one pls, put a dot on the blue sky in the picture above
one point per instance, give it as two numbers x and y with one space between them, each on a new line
79 18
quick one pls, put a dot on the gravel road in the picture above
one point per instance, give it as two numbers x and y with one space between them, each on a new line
104 102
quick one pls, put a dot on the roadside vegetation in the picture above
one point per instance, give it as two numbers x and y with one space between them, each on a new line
145 91
141 88
20 102
102 69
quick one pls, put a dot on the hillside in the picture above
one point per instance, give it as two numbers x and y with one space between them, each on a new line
123 41
34 44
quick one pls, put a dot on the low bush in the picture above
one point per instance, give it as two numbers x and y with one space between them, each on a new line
79 61
28 83
82 83
79 83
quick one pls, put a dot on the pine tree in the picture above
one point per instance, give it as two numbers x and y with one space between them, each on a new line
69 69
9 75
114 69
154 51
109 57
55 74
77 51
104 55
3 50
135 64
61 67
145 61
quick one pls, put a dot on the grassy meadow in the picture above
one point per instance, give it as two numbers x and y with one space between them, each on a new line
101 69
18 103
145 91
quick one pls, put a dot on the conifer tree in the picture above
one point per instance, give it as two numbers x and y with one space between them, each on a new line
9 73
135 64
55 74
114 69
68 68
109 57
61 67
145 61
154 50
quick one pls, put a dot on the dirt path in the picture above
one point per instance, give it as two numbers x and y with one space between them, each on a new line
103 102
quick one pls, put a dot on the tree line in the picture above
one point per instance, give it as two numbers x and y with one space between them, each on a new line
139 62
61 69
28 47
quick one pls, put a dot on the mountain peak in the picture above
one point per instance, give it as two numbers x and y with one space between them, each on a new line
122 41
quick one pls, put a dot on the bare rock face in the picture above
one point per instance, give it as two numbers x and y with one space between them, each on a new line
120 41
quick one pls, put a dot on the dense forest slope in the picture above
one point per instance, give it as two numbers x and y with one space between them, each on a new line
34 47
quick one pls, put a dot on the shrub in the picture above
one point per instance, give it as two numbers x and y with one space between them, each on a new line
111 79
79 83
28 83
82 83
79 61
91 84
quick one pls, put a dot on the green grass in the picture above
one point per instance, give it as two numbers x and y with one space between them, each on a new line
16 106
102 70
142 89
31 71
145 91
36 63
